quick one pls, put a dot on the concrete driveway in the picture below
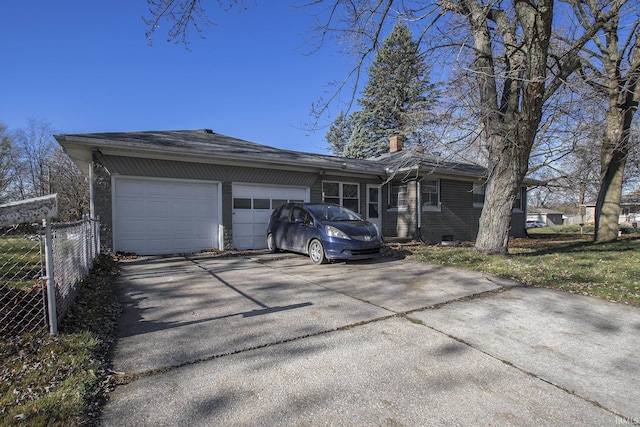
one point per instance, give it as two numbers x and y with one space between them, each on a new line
274 339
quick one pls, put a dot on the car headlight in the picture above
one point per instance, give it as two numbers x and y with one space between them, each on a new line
334 232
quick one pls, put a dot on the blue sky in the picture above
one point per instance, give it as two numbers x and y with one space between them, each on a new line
86 66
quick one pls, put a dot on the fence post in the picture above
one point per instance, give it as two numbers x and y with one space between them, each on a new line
51 290
86 244
96 234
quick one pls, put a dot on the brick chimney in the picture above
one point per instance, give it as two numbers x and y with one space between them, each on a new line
395 144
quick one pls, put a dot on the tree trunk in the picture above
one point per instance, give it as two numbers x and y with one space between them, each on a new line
614 152
500 194
609 196
510 124
508 165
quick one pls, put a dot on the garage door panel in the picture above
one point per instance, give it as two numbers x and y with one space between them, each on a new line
242 230
157 189
243 242
200 209
131 206
157 227
157 207
156 246
163 216
131 226
260 230
132 188
261 216
181 227
243 216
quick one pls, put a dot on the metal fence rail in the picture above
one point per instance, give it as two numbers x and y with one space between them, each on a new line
25 273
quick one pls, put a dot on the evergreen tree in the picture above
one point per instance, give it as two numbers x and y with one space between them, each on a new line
397 100
338 134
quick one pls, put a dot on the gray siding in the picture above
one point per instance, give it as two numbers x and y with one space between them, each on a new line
457 218
105 166
133 166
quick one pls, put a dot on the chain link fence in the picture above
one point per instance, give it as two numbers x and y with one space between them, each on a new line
24 273
22 291
74 247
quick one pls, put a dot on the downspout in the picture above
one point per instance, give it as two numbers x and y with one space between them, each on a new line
419 211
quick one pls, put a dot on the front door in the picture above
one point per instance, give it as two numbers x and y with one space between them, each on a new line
374 206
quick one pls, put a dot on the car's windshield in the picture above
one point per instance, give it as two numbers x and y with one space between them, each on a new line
333 213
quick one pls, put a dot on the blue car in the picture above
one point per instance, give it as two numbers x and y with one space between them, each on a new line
323 231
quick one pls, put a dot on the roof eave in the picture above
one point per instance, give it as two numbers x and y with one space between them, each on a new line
81 151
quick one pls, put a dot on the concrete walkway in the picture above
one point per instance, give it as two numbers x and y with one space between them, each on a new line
276 340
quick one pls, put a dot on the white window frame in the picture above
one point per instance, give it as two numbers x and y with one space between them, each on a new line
430 208
475 192
398 207
341 197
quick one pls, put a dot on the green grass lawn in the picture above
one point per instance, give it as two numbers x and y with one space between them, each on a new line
558 260
20 264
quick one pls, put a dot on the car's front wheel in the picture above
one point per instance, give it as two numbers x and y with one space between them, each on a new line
316 252
271 244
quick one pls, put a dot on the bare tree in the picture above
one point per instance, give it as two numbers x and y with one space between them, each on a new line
565 153
612 69
516 72
41 168
508 44
36 146
515 65
71 186
8 162
182 16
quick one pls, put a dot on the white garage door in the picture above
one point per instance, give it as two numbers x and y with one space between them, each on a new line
164 216
252 206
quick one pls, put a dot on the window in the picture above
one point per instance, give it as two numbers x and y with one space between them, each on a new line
331 192
300 215
430 194
373 202
261 203
350 197
284 213
241 203
398 195
342 193
478 195
517 205
278 202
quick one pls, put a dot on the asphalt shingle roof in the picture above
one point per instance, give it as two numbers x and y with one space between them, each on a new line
207 143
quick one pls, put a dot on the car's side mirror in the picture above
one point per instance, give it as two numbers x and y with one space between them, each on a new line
299 220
